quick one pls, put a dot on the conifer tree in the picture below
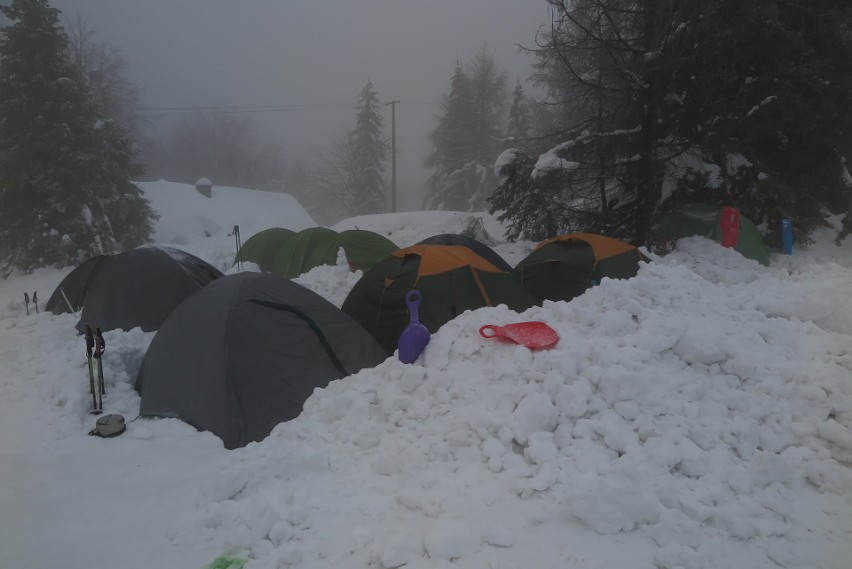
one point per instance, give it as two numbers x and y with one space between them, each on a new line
518 125
368 150
467 139
742 104
65 193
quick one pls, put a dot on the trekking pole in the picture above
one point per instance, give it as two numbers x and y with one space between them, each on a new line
90 344
100 346
35 300
27 303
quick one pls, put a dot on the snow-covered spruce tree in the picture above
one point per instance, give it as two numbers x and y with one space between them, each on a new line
740 104
368 150
773 112
124 207
604 63
518 125
451 144
467 140
533 215
60 178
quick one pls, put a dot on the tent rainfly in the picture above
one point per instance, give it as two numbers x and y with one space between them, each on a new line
245 353
450 278
137 288
706 220
477 247
290 254
566 266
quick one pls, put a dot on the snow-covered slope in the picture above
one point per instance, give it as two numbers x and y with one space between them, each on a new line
698 416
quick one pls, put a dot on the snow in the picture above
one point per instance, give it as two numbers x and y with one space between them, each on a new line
189 220
550 161
504 159
698 415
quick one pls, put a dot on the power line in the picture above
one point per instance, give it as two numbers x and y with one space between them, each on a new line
270 108
253 108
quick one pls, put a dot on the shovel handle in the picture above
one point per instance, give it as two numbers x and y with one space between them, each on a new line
412 300
489 328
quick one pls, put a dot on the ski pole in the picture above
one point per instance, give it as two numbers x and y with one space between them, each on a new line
90 344
27 303
100 346
35 300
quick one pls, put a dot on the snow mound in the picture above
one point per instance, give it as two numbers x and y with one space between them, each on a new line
186 216
674 409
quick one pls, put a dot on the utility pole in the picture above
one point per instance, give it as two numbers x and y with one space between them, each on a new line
393 154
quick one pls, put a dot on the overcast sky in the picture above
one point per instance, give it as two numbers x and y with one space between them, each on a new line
303 53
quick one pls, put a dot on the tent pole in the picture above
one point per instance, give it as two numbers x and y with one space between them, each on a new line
239 247
68 302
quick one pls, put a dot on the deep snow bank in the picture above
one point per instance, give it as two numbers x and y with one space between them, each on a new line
695 415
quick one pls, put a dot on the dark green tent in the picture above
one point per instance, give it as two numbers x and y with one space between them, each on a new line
245 353
705 220
363 248
290 254
451 279
303 251
261 247
566 266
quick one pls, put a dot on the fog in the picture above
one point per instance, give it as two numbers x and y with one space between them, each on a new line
298 65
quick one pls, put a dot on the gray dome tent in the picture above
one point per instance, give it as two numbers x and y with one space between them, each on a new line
244 354
72 290
140 288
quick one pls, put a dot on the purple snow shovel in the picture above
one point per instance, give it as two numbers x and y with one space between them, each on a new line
414 338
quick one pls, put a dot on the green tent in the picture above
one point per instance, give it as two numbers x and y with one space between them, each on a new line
290 254
451 279
261 247
704 220
566 266
363 248
304 251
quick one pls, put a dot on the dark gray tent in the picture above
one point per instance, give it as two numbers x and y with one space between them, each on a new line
140 288
477 247
73 287
244 353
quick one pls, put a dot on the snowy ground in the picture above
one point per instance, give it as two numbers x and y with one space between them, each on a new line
696 416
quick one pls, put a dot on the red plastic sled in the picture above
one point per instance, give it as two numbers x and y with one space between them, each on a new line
533 335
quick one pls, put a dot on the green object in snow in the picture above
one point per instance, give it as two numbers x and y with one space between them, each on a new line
290 254
704 220
304 251
564 267
260 248
227 562
363 248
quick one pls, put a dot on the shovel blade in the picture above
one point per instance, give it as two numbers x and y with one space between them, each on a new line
412 342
